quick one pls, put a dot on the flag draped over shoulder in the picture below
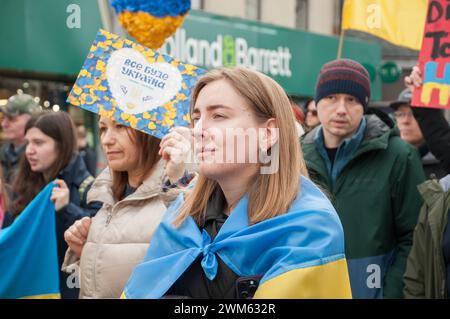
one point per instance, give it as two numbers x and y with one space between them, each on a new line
400 22
28 252
300 254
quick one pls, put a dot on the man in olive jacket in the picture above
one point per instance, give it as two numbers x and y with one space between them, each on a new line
427 269
371 176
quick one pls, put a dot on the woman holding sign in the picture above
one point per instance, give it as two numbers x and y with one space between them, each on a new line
134 191
432 122
253 224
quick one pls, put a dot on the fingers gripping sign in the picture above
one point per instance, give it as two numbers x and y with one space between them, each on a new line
175 149
414 79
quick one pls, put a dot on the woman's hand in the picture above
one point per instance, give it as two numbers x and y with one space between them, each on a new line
76 235
175 149
60 194
414 79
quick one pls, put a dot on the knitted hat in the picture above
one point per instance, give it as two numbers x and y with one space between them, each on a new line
344 76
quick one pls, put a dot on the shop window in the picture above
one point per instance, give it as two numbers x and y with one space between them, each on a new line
301 11
198 4
253 10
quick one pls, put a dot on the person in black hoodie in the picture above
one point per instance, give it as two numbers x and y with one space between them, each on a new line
410 132
433 124
51 155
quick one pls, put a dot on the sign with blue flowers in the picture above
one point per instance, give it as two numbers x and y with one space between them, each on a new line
134 85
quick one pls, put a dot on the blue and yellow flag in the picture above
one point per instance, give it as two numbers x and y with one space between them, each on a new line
299 254
28 252
400 22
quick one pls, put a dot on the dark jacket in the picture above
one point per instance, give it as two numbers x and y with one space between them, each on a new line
376 198
425 275
90 159
8 220
431 165
9 159
436 131
193 283
79 181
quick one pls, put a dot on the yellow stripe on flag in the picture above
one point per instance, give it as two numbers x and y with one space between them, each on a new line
400 22
328 281
49 296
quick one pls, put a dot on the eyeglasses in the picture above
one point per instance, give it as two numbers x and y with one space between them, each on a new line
401 115
313 112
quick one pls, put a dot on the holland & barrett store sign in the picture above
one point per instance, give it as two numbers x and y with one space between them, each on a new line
291 57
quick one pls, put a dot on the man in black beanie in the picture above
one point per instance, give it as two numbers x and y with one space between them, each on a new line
371 175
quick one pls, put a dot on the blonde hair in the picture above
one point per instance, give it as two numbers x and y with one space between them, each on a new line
270 195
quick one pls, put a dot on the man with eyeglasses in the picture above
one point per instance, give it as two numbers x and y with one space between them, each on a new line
370 173
411 133
434 125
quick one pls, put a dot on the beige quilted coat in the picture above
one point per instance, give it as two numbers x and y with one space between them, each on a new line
119 235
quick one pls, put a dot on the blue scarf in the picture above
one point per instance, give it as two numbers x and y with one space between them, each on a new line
299 254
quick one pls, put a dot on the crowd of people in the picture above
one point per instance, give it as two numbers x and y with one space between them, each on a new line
357 205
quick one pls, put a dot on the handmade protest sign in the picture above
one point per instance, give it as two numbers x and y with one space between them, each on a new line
434 58
134 85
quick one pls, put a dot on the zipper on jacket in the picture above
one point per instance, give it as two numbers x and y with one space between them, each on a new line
108 218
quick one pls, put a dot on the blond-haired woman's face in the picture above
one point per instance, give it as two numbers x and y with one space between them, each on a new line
225 131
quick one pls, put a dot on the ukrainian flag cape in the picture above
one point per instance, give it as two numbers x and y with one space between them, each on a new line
300 254
28 252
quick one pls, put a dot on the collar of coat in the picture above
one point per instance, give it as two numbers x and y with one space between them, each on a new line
101 189
75 172
436 203
379 129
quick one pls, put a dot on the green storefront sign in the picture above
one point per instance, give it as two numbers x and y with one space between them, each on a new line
44 35
291 57
39 39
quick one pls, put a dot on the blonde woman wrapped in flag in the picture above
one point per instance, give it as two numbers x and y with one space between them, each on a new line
243 231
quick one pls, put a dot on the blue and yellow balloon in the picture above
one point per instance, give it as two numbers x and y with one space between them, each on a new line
151 22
